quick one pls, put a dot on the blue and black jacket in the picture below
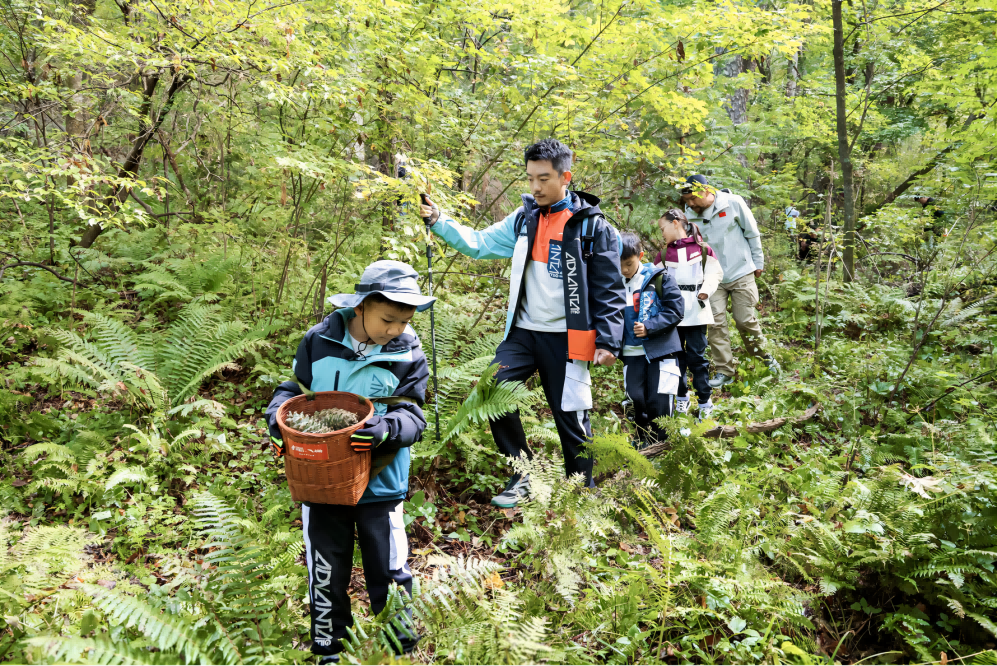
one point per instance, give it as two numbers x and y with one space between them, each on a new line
594 295
660 315
325 361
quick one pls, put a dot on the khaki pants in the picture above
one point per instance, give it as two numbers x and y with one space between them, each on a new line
743 295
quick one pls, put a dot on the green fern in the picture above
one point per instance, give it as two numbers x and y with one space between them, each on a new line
957 312
167 632
464 615
488 400
223 611
564 524
75 650
154 370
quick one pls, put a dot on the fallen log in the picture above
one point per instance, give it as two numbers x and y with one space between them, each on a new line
720 432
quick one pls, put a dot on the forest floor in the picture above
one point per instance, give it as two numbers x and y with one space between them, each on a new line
810 544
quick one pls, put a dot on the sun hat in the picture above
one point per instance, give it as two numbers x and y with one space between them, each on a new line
395 280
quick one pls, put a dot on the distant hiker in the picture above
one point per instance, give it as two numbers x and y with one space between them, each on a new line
367 348
808 242
566 301
698 273
651 343
791 217
936 227
730 229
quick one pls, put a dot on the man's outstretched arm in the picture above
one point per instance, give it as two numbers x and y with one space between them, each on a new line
495 242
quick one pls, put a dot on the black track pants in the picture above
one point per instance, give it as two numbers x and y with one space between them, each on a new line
521 354
693 358
329 537
640 381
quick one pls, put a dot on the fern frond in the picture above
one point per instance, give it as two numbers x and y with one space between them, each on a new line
146 385
198 345
52 450
168 632
156 370
957 312
118 342
132 474
489 400
719 509
75 650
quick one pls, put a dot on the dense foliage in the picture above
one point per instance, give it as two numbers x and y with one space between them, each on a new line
183 184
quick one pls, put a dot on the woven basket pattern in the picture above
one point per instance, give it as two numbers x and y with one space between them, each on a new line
342 478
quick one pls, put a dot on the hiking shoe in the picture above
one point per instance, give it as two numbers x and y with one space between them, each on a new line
329 659
628 407
515 492
720 380
682 405
705 409
773 365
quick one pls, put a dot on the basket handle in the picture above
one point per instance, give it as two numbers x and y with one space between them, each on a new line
392 400
309 394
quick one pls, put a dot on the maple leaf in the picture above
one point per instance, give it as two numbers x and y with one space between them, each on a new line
920 485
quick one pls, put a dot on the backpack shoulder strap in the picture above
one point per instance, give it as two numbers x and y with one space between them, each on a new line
656 281
588 236
517 228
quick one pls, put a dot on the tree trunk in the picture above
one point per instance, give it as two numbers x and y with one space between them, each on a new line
147 128
793 73
75 122
737 103
320 305
844 151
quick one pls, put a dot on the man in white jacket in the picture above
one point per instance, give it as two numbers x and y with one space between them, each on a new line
730 229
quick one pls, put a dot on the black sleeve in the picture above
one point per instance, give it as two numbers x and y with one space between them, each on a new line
671 308
302 369
607 294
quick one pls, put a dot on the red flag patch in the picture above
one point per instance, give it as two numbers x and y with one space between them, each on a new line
723 213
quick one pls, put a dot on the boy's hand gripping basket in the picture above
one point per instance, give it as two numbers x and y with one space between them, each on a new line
324 468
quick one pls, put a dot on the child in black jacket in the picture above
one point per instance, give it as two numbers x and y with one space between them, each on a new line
650 341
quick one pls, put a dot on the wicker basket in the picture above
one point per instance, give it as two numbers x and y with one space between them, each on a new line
324 468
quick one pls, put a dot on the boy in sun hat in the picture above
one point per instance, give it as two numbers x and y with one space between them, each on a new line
366 347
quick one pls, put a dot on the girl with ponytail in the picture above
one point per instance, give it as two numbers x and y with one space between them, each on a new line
697 272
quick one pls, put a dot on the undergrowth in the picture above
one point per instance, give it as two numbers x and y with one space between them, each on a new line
145 522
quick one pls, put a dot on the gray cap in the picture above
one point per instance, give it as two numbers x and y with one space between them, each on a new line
396 280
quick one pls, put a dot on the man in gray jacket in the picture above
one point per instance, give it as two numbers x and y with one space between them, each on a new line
730 229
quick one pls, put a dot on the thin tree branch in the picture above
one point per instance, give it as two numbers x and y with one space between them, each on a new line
31 263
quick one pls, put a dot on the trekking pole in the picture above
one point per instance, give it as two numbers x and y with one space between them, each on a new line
432 316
